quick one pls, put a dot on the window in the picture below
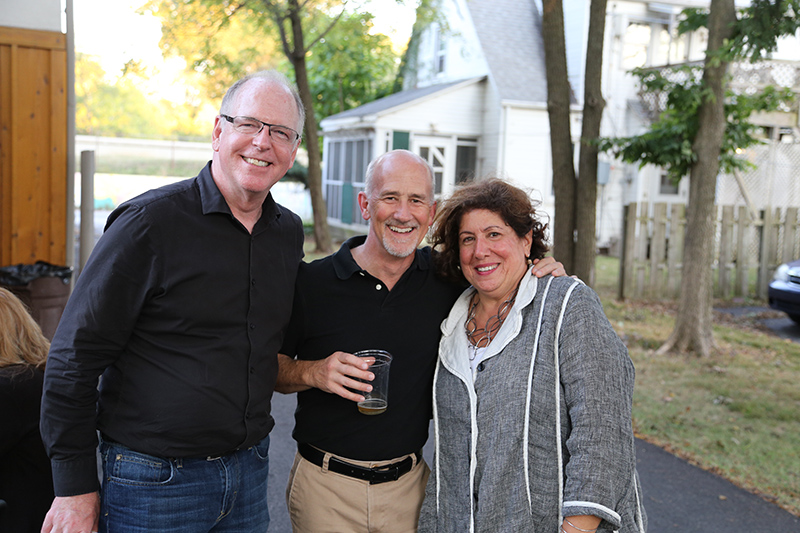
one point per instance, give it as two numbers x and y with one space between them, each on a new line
667 185
346 162
466 160
439 49
655 43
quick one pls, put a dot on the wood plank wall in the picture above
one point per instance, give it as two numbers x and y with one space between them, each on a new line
33 146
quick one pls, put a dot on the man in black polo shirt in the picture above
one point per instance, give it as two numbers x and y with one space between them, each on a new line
181 309
354 472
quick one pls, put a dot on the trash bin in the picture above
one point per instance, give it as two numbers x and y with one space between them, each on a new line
43 287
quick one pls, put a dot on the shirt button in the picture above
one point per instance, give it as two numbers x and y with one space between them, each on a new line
252 326
252 370
252 282
481 366
378 287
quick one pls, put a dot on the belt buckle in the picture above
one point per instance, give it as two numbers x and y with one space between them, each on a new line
387 473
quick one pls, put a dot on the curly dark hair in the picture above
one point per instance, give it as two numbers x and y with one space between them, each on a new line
512 204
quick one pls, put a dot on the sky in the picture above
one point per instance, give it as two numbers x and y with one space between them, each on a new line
112 32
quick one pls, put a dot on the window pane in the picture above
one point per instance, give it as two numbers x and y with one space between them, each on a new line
348 162
466 156
359 164
667 186
335 173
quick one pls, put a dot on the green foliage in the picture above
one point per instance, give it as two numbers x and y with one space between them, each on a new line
349 66
756 30
759 26
118 108
668 142
114 110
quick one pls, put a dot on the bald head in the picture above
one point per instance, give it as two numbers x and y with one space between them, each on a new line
395 161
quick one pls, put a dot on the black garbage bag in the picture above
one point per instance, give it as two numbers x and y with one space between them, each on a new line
23 274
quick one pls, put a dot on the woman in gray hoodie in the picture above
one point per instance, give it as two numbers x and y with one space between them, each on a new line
533 388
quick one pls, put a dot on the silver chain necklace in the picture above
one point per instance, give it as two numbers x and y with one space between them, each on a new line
481 338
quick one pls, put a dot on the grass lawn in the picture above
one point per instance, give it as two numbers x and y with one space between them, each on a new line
736 413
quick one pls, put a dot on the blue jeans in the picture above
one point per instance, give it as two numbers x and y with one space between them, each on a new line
142 493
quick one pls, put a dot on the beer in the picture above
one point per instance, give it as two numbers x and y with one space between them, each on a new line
372 406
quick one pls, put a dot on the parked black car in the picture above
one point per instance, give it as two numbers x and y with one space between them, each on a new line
784 291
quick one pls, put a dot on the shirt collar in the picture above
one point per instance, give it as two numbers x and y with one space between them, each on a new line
345 266
212 200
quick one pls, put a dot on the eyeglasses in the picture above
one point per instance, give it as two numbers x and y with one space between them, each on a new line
252 126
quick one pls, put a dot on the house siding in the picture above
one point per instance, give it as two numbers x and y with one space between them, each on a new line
455 113
527 153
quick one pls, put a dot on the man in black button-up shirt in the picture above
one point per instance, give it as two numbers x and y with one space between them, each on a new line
180 312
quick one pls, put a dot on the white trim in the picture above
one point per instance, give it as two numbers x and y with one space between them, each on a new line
526 424
558 402
593 505
436 435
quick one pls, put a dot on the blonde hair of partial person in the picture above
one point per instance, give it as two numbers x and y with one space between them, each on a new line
21 339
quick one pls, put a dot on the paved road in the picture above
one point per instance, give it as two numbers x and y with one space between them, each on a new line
783 327
678 497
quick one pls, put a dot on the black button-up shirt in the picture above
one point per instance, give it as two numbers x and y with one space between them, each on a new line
182 311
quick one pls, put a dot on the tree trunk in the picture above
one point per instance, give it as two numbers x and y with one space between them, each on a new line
322 236
693 323
593 105
558 107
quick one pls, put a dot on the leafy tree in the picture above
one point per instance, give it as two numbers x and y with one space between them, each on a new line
224 40
698 134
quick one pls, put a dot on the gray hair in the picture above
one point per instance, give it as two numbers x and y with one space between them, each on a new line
269 76
370 174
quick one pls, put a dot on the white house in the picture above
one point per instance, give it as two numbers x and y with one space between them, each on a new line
475 103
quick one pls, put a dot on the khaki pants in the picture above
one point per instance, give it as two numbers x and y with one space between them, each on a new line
321 501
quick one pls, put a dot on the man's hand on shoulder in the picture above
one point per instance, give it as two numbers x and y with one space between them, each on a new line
73 514
548 265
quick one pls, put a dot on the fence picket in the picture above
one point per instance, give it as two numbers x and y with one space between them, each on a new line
675 252
658 249
744 229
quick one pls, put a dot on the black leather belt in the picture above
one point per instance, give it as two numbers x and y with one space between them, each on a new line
375 475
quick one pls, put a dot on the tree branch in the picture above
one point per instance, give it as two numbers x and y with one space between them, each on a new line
324 33
279 16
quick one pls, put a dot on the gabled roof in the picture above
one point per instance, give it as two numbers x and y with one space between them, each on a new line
510 32
396 100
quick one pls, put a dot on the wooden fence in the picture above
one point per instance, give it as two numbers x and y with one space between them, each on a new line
747 250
